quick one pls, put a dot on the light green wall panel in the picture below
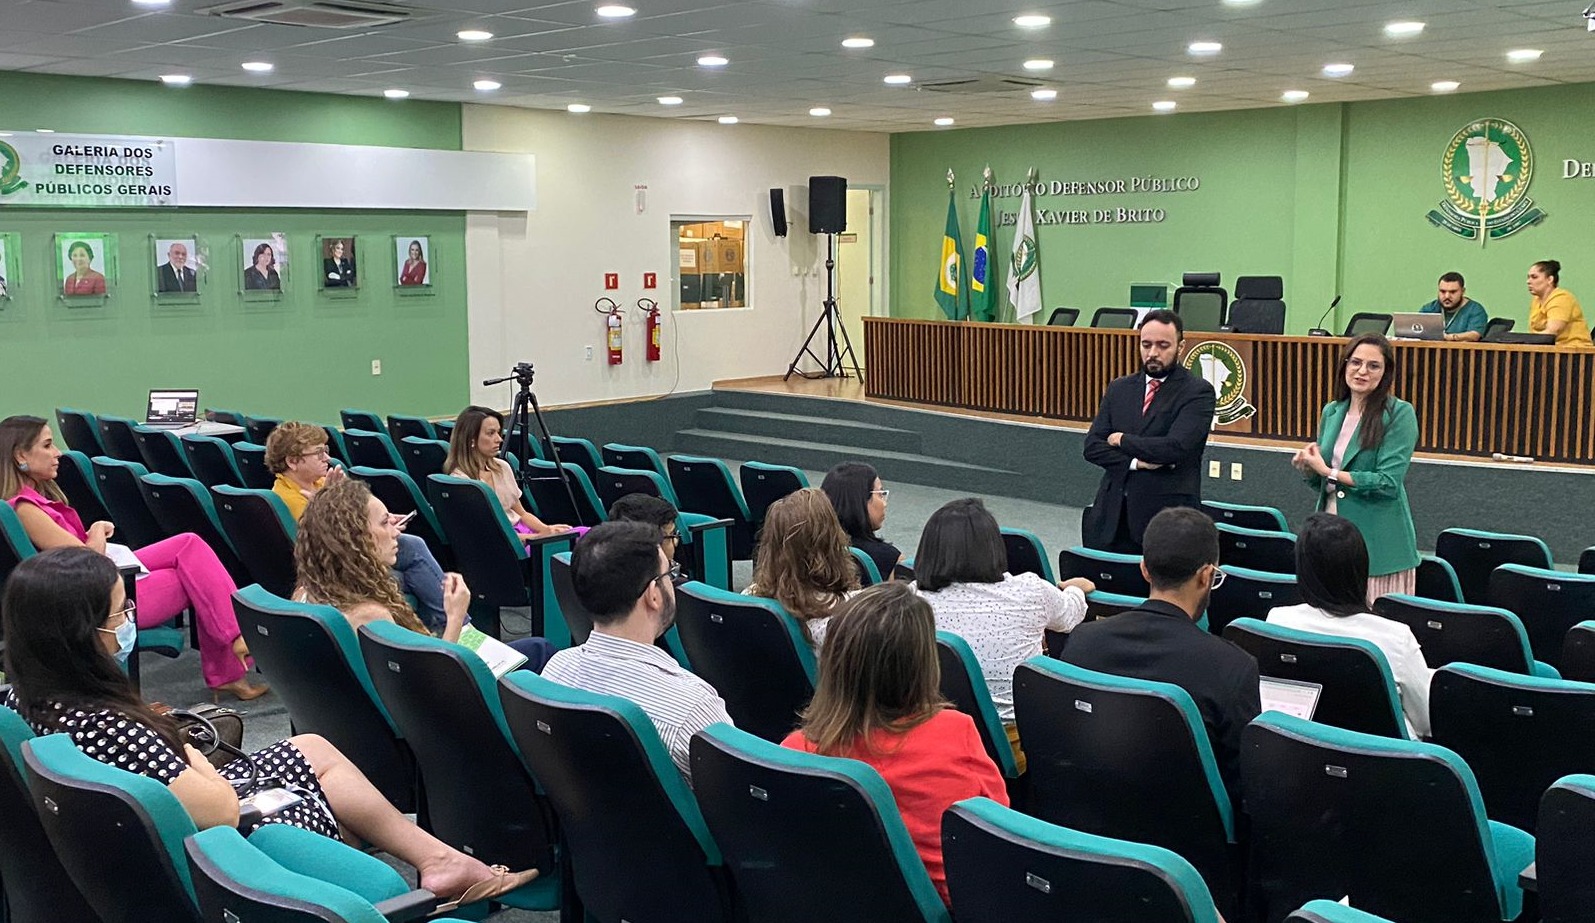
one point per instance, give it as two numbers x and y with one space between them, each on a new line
304 355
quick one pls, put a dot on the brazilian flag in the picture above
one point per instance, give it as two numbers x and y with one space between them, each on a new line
949 281
982 297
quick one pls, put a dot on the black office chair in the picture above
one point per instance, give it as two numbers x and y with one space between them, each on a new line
1063 317
1259 305
1496 327
1200 302
1115 318
1564 855
1367 322
1359 692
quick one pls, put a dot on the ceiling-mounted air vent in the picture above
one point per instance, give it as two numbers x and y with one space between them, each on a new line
319 14
985 84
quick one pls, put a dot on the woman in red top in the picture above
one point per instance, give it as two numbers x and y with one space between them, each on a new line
84 280
879 701
414 270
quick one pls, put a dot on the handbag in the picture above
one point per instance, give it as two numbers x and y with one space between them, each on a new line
214 730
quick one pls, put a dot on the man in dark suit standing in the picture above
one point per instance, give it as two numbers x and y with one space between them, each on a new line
339 269
175 275
1148 437
1161 641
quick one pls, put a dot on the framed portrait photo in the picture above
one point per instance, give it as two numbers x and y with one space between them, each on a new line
412 261
85 264
265 261
340 267
179 265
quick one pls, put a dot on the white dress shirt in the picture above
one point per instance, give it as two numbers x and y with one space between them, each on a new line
1396 640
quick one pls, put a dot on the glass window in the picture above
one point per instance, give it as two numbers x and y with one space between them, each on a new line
711 262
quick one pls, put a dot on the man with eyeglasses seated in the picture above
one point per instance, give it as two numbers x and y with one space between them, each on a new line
654 511
1160 640
624 579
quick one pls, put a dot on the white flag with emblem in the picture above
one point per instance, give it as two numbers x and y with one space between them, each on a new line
1024 271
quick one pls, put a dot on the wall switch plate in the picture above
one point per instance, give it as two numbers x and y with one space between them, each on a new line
376 366
589 354
1235 471
1215 469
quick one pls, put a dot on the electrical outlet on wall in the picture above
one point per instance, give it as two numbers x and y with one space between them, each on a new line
1215 469
376 366
589 354
1235 471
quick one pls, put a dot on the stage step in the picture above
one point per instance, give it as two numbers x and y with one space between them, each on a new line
892 465
826 430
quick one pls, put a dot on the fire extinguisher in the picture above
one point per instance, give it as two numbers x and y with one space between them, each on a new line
611 312
655 324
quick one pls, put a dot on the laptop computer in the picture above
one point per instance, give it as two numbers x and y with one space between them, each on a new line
172 408
1417 326
1293 697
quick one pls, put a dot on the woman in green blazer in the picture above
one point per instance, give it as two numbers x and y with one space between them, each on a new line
1358 466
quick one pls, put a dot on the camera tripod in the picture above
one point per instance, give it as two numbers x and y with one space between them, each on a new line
523 413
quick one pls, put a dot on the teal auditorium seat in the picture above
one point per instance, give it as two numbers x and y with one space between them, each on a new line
1129 759
1396 825
637 457
184 505
76 479
1110 571
360 419
312 658
1518 733
335 444
399 493
1322 911
1437 579
1474 554
211 459
1026 554
551 501
868 573
119 487
161 451
1550 602
1459 633
963 685
1564 853
80 430
371 449
764 484
259 428
705 485
230 417
778 816
1586 561
752 652
1578 653
15 546
262 531
638 845
251 459
614 483
1008 867
1359 691
581 452
1249 594
116 433
1256 549
36 889
236 880
479 797
423 457
403 426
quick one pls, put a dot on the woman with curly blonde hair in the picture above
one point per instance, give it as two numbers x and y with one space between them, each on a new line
803 561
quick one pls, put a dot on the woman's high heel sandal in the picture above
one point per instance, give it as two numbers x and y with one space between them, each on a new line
502 881
240 689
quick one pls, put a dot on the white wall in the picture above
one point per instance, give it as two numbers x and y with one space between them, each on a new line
533 278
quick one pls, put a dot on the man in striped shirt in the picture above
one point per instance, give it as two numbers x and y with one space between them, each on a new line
624 579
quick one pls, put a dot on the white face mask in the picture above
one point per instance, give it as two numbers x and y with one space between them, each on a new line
126 634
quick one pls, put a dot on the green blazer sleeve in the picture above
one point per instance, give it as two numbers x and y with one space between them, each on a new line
1394 455
1328 417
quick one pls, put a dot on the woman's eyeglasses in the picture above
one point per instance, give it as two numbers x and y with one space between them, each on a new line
884 492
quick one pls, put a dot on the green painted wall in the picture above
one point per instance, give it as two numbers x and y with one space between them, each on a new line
1332 197
304 355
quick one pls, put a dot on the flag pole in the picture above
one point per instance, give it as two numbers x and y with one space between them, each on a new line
1484 203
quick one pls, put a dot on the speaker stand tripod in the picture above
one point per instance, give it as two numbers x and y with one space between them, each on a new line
831 319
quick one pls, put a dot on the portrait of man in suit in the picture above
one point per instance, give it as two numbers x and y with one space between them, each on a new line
1148 438
338 269
177 273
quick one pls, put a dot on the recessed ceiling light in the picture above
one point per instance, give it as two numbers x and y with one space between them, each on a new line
898 80
1242 2
1164 105
669 100
1444 86
151 2
1032 21
1339 70
258 67
713 60
1293 96
1044 94
473 35
858 41
176 80
819 112
1182 83
727 120
578 107
396 93
487 84
615 11
1524 55
1400 29
45 131
944 121
1204 48
1038 64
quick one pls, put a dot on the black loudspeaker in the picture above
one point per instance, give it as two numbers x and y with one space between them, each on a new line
778 211
827 205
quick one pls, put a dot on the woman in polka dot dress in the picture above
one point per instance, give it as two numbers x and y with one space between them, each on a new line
67 625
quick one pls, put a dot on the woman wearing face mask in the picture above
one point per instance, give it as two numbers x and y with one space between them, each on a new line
1358 466
66 618
184 572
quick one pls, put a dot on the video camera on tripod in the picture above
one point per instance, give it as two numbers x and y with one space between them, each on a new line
522 413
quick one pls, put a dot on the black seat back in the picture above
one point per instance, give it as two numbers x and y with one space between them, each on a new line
259 428
1549 603
1025 554
1259 305
577 618
80 430
473 522
1063 317
1112 573
161 451
76 479
371 449
1249 594
762 485
360 419
116 433
118 481
1115 318
1564 852
1367 322
1459 633
212 461
1475 555
1254 549
751 652
251 460
1578 653
1497 326
1359 693
423 457
179 505
262 533
704 485
38 889
1200 302
403 426
614 483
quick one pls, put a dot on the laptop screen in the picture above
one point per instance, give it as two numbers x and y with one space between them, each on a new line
1290 696
169 407
1416 326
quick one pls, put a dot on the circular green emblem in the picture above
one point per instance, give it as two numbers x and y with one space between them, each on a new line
10 170
1487 167
1220 365
1024 257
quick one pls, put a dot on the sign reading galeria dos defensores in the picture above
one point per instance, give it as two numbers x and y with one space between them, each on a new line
93 171
1117 214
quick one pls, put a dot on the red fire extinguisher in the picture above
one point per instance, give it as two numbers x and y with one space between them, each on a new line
611 312
655 324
